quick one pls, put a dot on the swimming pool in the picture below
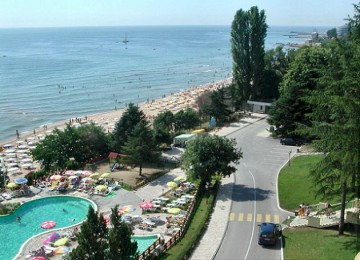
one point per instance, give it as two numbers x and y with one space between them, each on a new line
144 241
65 210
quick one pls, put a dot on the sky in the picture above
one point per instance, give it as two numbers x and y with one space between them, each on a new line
70 13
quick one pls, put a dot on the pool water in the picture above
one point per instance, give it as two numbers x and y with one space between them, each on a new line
64 210
144 242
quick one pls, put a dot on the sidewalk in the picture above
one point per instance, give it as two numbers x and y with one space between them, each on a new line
210 243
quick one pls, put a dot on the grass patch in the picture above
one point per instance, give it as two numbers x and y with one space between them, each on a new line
295 184
310 243
203 210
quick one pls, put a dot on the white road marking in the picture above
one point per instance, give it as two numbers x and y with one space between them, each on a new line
254 213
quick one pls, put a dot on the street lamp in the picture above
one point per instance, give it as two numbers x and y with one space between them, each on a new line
289 157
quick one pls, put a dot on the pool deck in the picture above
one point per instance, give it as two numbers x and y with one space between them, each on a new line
122 198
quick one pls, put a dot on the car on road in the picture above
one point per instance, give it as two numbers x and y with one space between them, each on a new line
269 233
291 141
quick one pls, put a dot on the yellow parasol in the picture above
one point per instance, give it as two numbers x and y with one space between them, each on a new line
104 175
174 211
11 185
171 184
101 187
61 241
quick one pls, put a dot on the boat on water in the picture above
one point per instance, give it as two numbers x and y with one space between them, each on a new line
125 39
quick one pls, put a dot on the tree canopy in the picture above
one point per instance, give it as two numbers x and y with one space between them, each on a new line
141 146
301 78
248 32
72 147
123 128
97 241
209 156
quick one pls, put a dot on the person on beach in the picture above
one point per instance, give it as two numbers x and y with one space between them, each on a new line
17 134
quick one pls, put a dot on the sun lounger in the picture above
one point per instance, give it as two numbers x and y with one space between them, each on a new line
6 196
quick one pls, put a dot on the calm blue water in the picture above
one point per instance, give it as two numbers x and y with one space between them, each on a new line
33 213
144 242
52 74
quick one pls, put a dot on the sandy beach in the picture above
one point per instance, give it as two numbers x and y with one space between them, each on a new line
107 120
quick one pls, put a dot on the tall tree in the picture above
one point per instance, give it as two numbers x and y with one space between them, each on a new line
248 34
92 238
123 128
121 247
141 147
209 156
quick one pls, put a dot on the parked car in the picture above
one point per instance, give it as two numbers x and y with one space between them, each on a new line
269 233
291 141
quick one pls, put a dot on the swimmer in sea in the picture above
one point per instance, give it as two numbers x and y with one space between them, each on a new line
18 219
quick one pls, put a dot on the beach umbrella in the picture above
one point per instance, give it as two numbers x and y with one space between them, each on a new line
94 175
61 241
101 187
11 185
10 155
78 172
73 177
51 238
38 258
55 177
7 145
171 184
21 180
23 146
180 178
86 173
104 175
146 205
107 220
20 142
174 211
61 250
127 208
87 180
69 173
10 151
26 160
48 224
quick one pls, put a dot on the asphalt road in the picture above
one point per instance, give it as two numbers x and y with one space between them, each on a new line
254 194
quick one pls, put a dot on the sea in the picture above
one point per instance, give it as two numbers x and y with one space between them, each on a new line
53 74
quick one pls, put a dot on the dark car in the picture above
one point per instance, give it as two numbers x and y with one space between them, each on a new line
269 233
291 141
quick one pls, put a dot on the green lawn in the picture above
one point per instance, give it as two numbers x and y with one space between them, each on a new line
295 187
295 184
310 243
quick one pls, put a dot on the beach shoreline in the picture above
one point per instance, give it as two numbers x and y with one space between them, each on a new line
108 119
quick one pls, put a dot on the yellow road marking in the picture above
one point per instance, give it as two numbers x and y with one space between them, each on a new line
258 218
276 219
241 217
267 218
249 217
232 216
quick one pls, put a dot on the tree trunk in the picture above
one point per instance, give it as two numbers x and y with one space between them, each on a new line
342 211
140 169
